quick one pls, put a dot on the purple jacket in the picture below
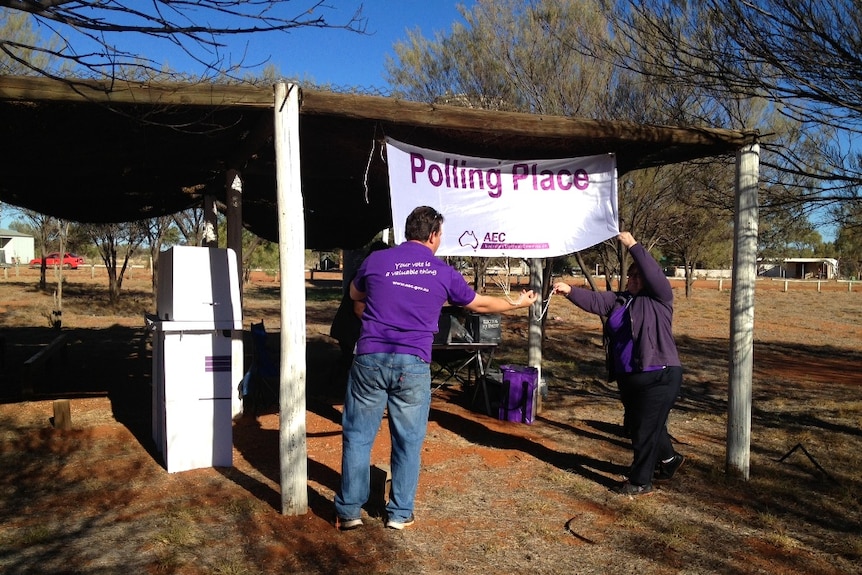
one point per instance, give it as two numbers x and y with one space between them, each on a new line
651 311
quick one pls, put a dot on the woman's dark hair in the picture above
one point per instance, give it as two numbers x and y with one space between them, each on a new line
421 223
377 245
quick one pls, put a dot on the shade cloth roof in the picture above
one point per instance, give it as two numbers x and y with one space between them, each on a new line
108 152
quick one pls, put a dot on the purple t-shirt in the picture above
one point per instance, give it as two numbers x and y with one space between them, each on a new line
406 286
620 325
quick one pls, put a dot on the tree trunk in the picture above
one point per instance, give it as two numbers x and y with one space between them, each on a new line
689 277
113 286
587 274
480 266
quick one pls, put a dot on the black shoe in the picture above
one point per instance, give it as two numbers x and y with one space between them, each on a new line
665 471
348 524
631 489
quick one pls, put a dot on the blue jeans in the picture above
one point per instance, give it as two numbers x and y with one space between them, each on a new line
401 383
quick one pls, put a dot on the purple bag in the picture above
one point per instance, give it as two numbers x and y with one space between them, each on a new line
519 393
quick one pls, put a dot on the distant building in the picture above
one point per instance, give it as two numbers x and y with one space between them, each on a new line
811 268
16 247
790 268
801 268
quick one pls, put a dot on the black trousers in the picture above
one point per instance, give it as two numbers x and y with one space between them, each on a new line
648 398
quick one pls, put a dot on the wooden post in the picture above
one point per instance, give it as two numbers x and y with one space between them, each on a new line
210 239
742 312
233 190
62 414
534 351
293 449
233 193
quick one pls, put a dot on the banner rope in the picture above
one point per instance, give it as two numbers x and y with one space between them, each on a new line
545 306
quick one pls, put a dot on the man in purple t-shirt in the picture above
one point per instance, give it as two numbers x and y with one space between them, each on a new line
399 293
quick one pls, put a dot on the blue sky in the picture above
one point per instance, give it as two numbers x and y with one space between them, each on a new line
324 55
346 59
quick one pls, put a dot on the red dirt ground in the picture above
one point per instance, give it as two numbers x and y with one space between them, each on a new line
493 495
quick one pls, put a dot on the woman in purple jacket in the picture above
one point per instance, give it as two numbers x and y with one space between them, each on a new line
644 361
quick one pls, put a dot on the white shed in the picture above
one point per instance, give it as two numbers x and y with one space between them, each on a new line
811 268
16 247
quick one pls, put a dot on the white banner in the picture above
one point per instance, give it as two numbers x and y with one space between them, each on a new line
495 208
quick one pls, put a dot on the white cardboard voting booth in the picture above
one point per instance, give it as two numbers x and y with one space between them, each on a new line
197 357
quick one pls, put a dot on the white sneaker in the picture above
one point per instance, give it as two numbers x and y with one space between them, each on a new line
400 523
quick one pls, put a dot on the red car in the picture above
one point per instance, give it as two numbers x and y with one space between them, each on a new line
70 261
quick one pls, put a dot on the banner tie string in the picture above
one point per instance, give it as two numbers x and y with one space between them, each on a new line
546 304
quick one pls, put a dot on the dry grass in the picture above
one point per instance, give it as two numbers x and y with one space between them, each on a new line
493 496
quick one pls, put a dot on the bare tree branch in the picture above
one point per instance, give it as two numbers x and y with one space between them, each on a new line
198 28
802 57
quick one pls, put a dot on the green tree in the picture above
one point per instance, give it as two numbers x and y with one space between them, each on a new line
510 55
158 232
190 224
19 54
699 239
256 251
782 234
116 242
42 227
848 242
801 58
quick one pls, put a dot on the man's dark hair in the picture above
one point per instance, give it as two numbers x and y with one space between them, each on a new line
421 223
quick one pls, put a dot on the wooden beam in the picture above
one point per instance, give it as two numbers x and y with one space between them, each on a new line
36 89
372 108
442 116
